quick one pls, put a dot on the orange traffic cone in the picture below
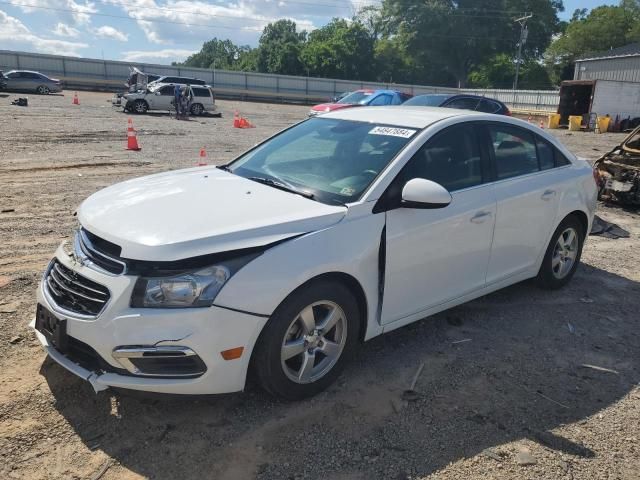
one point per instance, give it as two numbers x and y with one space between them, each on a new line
236 120
244 123
132 140
203 154
76 100
541 124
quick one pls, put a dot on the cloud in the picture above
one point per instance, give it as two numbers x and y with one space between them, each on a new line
195 21
69 10
107 31
14 35
168 55
64 30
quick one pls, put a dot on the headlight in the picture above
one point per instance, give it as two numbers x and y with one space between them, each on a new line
193 289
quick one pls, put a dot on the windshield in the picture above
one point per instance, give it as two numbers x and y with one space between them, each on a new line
356 97
334 160
427 100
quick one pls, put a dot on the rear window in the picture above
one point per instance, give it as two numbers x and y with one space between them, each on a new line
488 106
426 100
201 92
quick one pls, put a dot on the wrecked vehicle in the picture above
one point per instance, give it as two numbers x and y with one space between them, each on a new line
618 172
335 230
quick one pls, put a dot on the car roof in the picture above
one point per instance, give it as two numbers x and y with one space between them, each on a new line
157 85
402 116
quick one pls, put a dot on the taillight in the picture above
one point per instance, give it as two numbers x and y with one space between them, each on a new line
508 113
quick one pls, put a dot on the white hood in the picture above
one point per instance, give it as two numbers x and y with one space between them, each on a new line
203 210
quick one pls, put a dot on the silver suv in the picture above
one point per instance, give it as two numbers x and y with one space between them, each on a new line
161 96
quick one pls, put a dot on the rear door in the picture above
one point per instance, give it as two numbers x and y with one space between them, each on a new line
527 191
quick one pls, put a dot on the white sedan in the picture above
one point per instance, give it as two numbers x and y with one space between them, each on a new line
338 229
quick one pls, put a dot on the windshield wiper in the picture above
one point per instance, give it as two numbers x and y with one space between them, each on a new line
282 186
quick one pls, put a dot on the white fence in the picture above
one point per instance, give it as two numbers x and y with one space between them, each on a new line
111 75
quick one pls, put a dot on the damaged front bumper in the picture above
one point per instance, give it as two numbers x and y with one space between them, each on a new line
157 350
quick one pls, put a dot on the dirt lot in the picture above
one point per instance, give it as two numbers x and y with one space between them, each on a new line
546 387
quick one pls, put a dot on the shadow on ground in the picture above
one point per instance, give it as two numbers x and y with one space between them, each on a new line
520 374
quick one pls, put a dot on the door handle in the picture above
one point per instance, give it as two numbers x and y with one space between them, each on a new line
480 217
548 194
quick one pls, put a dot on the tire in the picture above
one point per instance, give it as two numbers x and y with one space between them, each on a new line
140 106
563 254
43 90
281 369
197 109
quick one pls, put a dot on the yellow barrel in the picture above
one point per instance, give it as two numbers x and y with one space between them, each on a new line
603 124
574 122
554 121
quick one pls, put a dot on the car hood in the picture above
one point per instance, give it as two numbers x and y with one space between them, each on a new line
199 211
330 107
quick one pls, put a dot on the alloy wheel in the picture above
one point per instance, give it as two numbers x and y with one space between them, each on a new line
43 90
314 342
564 253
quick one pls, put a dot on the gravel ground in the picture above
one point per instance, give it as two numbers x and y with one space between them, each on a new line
544 385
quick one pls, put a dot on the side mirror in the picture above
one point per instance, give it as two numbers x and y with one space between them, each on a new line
423 193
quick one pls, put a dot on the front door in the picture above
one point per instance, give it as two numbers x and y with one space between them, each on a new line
433 256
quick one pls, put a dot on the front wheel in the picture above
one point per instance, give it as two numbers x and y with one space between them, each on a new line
563 254
140 106
307 341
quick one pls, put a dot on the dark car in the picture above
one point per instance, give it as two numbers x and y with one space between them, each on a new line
463 102
3 82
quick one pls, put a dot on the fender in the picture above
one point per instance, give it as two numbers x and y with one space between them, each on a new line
351 246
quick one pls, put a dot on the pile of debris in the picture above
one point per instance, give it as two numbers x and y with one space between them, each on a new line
618 172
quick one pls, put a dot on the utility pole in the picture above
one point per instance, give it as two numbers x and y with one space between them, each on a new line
524 33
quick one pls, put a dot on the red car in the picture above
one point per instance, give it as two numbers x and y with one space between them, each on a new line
362 98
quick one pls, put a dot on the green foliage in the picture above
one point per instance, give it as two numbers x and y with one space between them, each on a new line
432 42
224 53
279 50
340 49
603 28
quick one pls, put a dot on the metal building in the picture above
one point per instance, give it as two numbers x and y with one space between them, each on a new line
620 64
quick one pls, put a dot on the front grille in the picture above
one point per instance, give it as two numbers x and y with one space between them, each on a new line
82 354
102 253
73 292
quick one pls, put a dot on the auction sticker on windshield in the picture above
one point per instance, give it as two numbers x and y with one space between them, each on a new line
392 132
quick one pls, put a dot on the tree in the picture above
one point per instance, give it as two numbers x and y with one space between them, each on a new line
340 49
279 48
603 28
223 54
448 39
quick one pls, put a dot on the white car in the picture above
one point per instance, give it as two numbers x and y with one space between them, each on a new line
338 229
161 96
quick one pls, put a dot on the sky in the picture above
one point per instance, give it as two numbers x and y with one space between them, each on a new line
162 31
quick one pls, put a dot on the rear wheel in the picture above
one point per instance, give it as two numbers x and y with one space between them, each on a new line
307 341
43 90
197 109
563 254
140 106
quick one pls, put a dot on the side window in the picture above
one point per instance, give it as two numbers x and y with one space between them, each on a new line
561 160
515 151
452 159
545 154
167 91
464 103
487 106
200 92
381 100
